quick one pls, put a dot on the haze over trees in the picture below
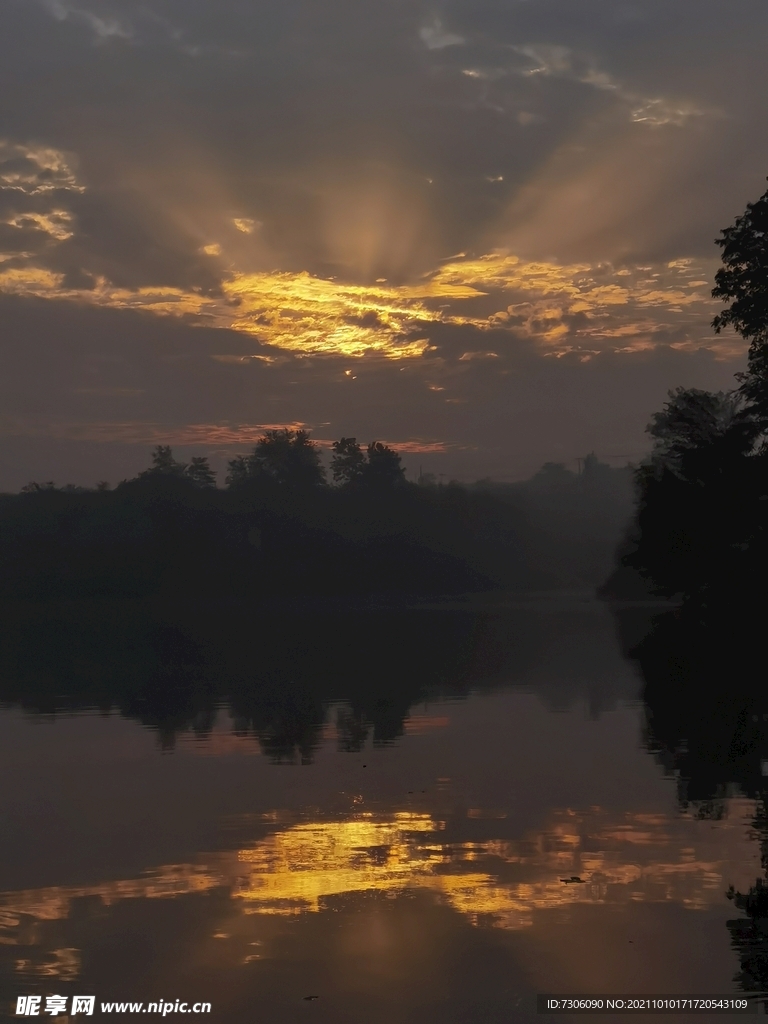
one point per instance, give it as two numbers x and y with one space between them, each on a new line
283 526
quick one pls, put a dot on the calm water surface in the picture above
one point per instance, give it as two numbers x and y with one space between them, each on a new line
415 878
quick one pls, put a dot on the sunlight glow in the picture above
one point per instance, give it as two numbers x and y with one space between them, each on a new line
588 857
560 307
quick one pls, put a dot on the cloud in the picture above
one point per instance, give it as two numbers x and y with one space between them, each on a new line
580 148
245 224
57 223
139 432
562 307
87 390
103 28
32 170
659 111
562 62
435 37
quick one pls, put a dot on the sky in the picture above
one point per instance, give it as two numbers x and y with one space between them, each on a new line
481 231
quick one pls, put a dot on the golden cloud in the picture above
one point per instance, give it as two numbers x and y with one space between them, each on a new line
246 224
35 169
302 313
56 223
562 307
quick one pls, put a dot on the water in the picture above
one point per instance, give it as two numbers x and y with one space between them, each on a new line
401 861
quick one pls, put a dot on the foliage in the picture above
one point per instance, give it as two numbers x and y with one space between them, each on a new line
702 518
164 465
696 428
702 498
348 462
282 458
200 473
278 529
742 283
380 467
384 468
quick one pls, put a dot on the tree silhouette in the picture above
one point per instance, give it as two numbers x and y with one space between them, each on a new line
348 461
238 471
287 458
200 473
170 531
702 523
742 282
165 465
33 486
383 469
700 431
379 468
749 934
163 462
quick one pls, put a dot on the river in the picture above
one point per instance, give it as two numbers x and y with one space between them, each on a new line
442 851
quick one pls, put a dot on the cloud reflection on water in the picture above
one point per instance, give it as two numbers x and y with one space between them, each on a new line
503 883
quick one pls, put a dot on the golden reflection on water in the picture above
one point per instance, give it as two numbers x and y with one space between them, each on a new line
579 857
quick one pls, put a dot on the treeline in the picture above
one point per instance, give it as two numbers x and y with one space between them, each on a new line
281 527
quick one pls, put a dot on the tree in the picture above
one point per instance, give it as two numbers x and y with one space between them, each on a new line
700 519
200 473
34 486
701 428
287 458
164 463
238 471
378 467
383 468
742 282
348 462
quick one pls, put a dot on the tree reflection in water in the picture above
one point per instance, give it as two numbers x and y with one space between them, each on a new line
706 708
280 672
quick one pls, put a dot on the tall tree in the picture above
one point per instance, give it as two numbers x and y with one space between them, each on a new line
701 428
348 461
200 473
164 463
238 471
742 283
